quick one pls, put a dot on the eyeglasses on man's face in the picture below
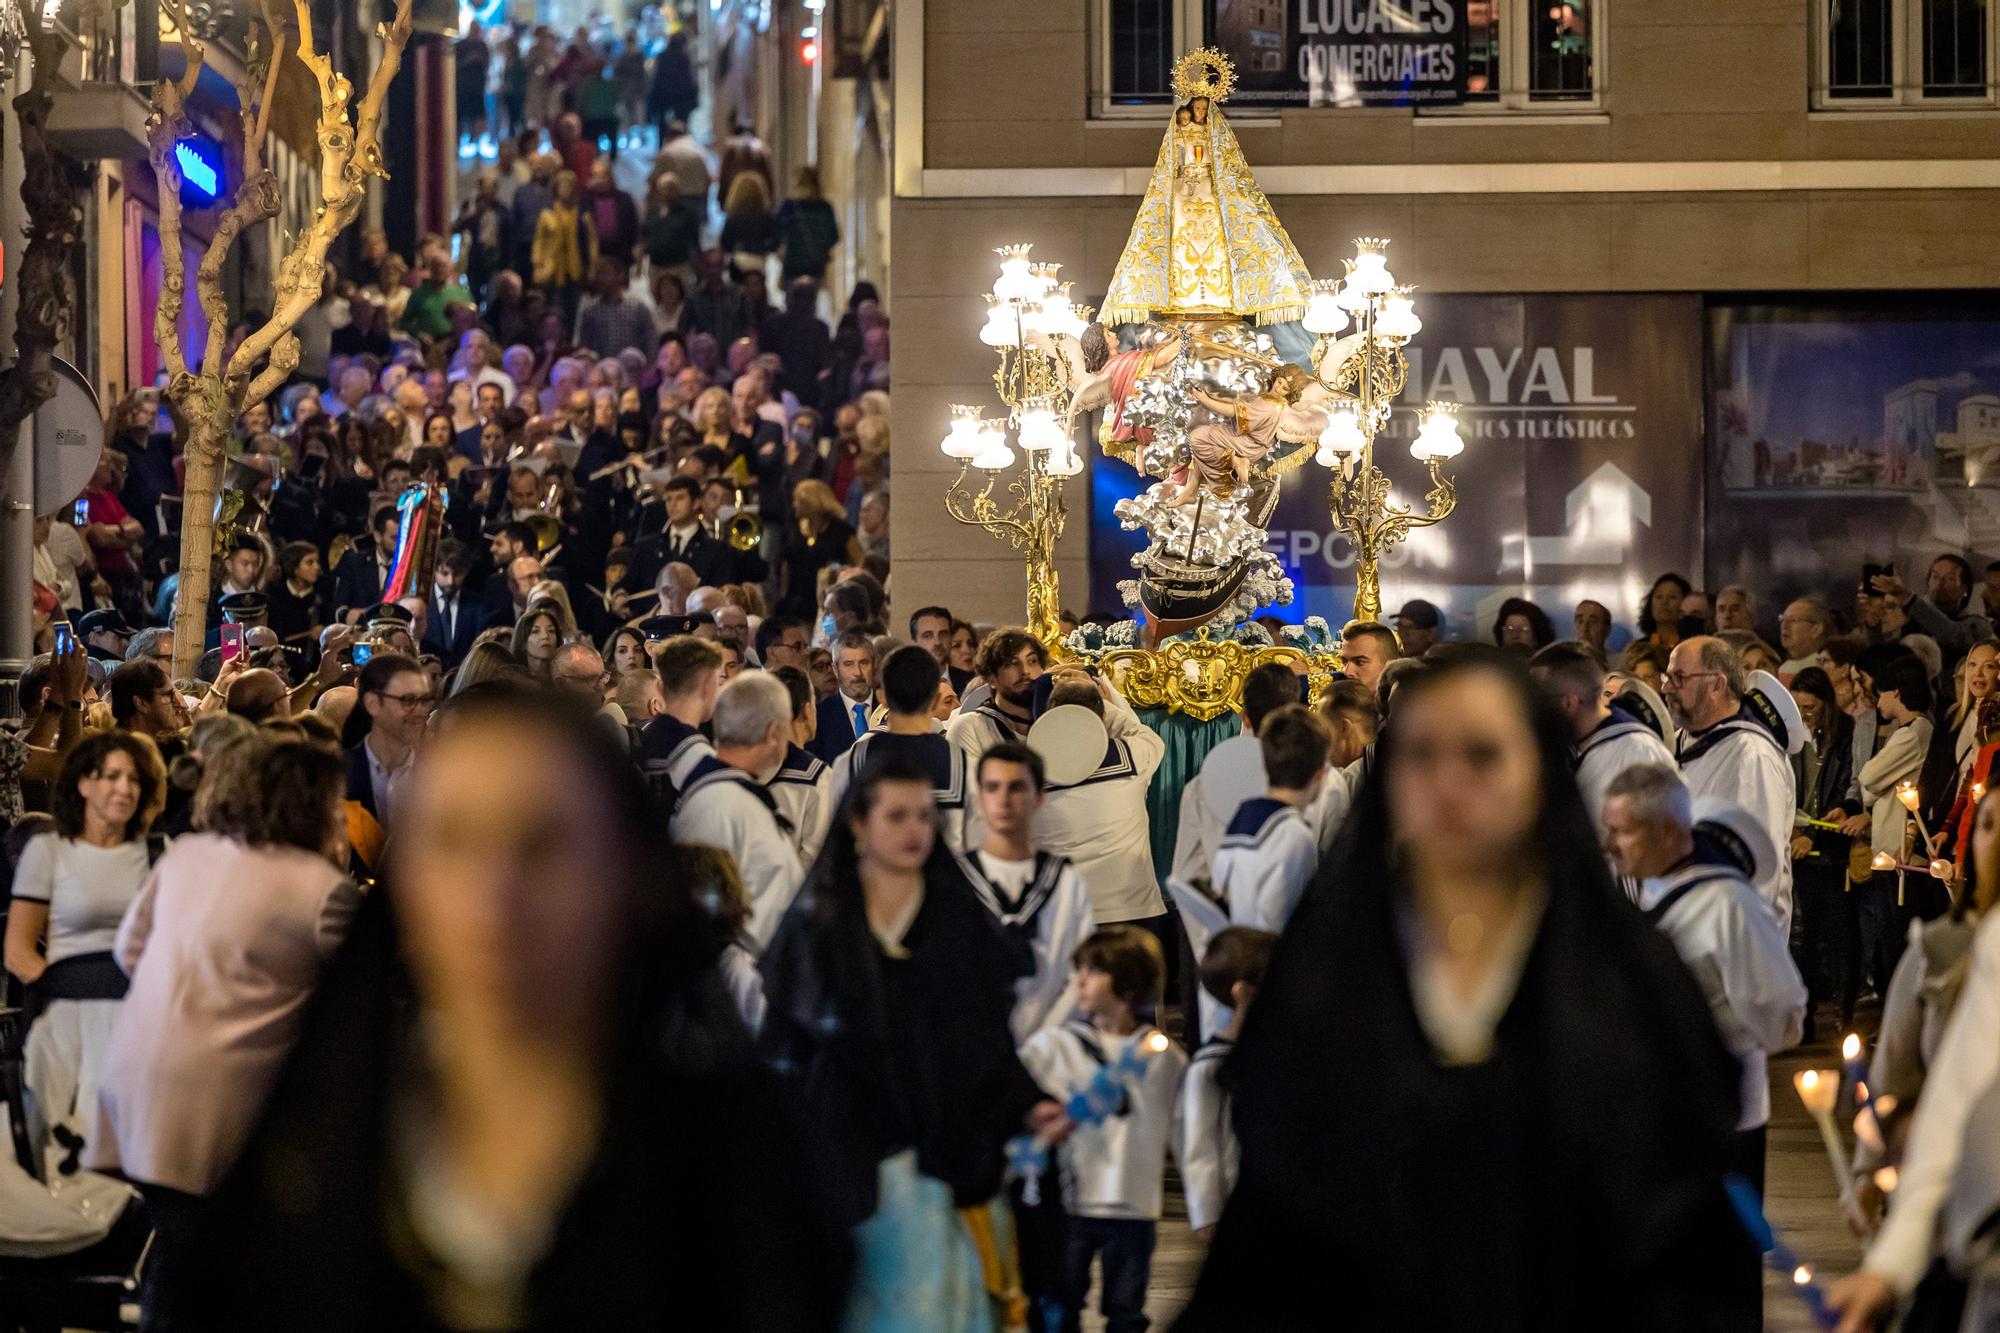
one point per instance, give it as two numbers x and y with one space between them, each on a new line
409 700
1677 680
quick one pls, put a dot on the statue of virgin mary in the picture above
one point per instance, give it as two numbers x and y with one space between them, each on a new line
1205 244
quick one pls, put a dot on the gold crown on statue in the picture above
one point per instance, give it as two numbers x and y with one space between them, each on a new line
1204 72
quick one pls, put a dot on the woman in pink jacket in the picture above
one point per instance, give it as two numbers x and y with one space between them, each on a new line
224 945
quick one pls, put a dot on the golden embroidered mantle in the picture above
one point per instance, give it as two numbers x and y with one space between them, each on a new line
1266 279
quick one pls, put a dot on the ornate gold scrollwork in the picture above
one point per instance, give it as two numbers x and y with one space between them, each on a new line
1203 677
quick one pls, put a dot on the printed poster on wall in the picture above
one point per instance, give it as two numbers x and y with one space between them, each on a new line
1581 476
1344 52
1851 432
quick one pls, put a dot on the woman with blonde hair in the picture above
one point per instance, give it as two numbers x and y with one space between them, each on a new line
486 662
819 536
715 425
565 245
553 595
748 596
749 232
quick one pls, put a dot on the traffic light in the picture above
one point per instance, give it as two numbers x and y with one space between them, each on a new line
808 50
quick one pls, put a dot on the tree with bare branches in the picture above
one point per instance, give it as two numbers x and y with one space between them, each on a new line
212 398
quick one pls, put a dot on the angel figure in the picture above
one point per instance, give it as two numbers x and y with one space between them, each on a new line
1222 453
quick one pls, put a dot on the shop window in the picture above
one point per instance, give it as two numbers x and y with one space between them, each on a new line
1515 55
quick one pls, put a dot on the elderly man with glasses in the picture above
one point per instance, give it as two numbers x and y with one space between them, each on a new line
1736 754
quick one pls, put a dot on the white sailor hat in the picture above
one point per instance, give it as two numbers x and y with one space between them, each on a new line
1767 699
1737 833
1232 773
1643 702
1071 741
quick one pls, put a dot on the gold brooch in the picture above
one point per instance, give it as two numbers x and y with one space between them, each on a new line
1204 72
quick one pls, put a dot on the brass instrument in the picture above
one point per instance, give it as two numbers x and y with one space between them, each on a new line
744 531
547 525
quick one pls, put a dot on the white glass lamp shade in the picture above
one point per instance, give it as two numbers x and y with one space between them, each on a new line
1058 314
1342 436
963 439
1398 320
1064 462
1371 266
1323 312
1353 298
1017 278
1040 427
1438 437
1000 329
1043 276
994 454
1033 318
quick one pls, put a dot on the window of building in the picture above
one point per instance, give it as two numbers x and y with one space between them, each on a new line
1540 55
1903 53
1526 54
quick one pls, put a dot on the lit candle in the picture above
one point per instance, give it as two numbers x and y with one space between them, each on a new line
1818 1089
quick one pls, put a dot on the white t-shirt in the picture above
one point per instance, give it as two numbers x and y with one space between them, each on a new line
87 889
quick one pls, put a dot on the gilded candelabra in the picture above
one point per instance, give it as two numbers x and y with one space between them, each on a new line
1026 302
1373 373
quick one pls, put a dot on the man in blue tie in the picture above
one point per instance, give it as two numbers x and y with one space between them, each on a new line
843 715
455 619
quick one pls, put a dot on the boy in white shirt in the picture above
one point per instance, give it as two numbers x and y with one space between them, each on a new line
1270 853
1265 690
1113 1170
1231 970
1035 894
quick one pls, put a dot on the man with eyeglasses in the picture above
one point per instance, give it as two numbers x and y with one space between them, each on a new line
1735 747
144 700
782 642
578 669
153 645
396 694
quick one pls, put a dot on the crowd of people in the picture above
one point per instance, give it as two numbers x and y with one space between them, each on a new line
406 963
441 940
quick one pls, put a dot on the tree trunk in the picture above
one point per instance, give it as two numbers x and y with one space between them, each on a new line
208 421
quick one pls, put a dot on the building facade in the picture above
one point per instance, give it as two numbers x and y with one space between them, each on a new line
1693 195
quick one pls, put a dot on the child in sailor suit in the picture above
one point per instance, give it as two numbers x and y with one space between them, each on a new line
1113 1171
1043 903
1270 853
1265 690
1231 970
1036 895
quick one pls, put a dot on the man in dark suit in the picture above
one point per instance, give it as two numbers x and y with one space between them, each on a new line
455 619
360 577
843 715
683 539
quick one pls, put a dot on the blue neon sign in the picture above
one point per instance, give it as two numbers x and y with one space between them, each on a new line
197 172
